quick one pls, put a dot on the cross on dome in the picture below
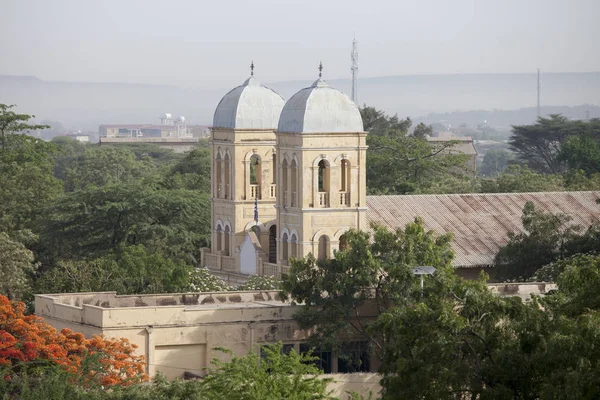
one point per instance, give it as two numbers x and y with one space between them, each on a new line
252 68
320 68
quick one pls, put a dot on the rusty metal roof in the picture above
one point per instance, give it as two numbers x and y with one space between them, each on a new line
479 222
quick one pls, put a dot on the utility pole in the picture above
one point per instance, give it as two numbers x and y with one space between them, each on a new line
539 88
354 69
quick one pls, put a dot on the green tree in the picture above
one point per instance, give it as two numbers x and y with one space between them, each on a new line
16 267
11 122
26 180
102 166
517 178
96 221
192 172
495 162
423 131
540 145
398 163
376 272
582 152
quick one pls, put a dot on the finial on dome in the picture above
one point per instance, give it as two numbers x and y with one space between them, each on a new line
320 68
252 68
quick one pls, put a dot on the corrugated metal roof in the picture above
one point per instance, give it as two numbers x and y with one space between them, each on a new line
479 222
320 109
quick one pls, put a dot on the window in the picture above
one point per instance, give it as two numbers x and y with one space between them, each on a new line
226 235
323 360
354 357
219 234
323 247
255 170
218 170
226 189
294 189
294 245
323 176
284 182
345 172
284 247
343 243
273 244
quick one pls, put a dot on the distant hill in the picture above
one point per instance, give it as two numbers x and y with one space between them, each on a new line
81 105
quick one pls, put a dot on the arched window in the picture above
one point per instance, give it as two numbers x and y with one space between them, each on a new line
219 238
284 182
255 170
294 246
218 181
284 247
345 171
273 244
323 247
343 243
226 237
323 176
294 184
274 168
226 172
255 176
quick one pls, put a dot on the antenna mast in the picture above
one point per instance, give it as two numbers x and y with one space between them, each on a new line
539 88
354 69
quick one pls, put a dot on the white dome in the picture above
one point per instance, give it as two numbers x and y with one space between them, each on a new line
249 106
320 108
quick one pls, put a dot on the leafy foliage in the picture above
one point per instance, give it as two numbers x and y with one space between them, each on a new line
260 283
377 272
27 342
398 163
202 280
16 265
547 238
495 162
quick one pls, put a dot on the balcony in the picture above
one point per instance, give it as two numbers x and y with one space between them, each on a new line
255 192
323 200
344 199
272 191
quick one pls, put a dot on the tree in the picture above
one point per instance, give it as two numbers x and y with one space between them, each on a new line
96 221
423 131
517 178
582 152
398 163
26 180
192 172
11 122
345 294
27 342
102 166
539 145
547 237
495 162
16 266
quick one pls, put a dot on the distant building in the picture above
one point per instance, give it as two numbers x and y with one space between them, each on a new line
171 133
464 146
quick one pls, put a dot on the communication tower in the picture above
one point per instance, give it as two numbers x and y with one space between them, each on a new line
354 69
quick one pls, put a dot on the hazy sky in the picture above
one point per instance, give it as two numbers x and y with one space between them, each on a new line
211 43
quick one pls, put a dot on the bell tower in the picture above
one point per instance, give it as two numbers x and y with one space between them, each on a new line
321 148
243 186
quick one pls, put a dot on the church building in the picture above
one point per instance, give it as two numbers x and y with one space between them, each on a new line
288 178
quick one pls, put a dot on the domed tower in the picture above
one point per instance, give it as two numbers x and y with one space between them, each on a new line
321 192
243 169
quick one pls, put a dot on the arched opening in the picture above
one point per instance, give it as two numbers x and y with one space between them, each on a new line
218 181
284 247
226 173
343 243
284 182
219 234
273 244
294 184
294 246
255 229
323 247
323 184
255 176
274 168
345 184
226 240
